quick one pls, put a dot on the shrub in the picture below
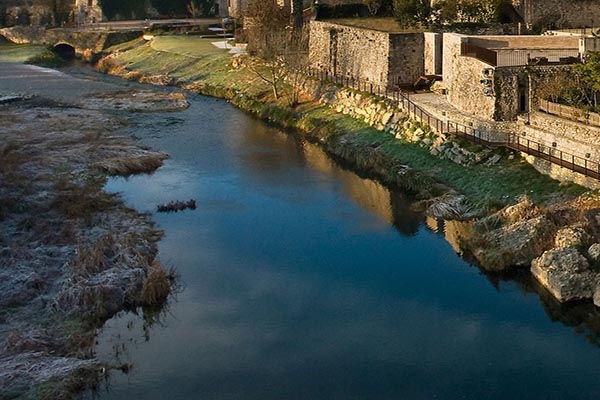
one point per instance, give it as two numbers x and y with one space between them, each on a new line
47 59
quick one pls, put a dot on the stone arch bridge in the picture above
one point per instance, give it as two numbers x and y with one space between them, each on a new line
69 43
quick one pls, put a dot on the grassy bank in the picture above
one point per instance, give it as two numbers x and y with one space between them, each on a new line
10 52
197 65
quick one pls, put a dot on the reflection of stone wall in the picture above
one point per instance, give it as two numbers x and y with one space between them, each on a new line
458 233
367 193
560 13
372 56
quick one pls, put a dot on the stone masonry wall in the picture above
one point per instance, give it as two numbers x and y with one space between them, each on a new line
462 80
406 60
560 13
433 53
570 136
509 83
373 56
526 42
561 174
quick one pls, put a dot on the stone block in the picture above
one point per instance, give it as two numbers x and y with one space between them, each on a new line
571 237
565 273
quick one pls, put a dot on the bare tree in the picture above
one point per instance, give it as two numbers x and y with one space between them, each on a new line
275 47
373 6
297 14
192 8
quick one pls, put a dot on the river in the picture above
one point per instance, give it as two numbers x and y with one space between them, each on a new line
302 280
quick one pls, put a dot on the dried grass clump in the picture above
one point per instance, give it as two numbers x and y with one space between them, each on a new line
81 200
107 65
125 166
27 340
157 285
451 207
94 258
175 206
44 376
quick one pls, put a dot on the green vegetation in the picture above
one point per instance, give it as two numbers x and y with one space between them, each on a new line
10 52
578 88
412 12
212 73
487 185
118 9
48 59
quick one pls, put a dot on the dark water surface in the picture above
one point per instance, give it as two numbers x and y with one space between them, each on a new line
304 281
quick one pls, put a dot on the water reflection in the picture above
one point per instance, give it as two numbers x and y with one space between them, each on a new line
307 281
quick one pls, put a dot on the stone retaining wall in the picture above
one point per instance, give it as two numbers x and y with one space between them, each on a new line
561 174
382 58
569 136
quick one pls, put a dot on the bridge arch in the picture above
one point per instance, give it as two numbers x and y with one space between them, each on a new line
64 50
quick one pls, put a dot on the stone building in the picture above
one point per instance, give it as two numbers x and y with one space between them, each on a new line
558 13
87 11
382 58
494 77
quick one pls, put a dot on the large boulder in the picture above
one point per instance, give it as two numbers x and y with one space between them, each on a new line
571 237
566 273
514 245
596 297
594 253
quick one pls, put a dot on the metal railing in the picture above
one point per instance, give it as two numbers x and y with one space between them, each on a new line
518 57
551 154
554 155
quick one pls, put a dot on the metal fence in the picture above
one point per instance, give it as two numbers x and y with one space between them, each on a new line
519 57
556 156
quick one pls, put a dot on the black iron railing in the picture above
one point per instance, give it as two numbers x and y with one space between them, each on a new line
551 154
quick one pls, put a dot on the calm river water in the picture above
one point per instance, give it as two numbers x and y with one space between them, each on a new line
304 281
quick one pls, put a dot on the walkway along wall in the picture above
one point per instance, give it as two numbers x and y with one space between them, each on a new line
562 157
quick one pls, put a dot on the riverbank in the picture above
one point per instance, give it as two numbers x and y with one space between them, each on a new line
72 255
520 215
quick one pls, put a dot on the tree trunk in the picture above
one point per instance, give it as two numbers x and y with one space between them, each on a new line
297 16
